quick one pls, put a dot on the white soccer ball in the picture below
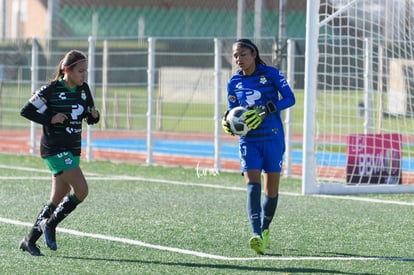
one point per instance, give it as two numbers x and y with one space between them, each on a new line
236 121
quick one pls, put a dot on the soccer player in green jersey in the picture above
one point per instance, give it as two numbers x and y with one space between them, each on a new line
60 107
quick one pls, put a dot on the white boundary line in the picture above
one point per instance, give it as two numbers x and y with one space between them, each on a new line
206 255
100 177
29 169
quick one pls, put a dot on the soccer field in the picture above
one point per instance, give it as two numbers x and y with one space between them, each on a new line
162 220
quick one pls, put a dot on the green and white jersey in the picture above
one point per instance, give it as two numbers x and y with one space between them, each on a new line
56 98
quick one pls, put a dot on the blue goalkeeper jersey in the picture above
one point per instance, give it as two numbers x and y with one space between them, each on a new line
264 85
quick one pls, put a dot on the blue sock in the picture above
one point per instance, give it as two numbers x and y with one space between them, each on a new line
254 209
269 209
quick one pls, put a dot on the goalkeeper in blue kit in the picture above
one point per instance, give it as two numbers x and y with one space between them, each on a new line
60 107
264 91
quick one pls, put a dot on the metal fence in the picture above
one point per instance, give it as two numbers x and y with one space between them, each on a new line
150 86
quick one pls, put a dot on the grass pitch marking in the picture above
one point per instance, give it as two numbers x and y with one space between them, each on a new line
100 177
207 255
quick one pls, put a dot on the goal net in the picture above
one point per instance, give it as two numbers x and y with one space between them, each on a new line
359 97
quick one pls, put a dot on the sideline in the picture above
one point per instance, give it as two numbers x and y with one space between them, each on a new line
206 255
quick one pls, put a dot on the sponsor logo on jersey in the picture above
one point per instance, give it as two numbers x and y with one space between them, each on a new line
283 81
252 96
77 111
62 96
71 130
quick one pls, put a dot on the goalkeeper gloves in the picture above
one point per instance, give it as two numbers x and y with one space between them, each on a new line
270 108
252 118
256 114
226 125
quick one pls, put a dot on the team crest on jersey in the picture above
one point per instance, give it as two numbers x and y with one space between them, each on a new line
83 95
263 79
68 160
232 98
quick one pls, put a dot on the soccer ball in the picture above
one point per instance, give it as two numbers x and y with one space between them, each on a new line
236 121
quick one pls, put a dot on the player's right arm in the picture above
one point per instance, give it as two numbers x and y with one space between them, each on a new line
35 109
226 125
231 103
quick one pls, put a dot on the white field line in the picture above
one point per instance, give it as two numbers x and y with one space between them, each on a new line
206 255
365 199
29 169
100 177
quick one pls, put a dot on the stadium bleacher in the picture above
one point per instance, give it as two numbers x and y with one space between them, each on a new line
174 22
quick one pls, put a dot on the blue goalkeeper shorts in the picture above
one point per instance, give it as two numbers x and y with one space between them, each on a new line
264 155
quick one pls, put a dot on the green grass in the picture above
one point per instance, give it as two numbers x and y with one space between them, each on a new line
167 208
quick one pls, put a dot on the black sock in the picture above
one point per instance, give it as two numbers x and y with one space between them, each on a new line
67 205
35 232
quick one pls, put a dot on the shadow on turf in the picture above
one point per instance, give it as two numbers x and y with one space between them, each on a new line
383 258
221 266
337 254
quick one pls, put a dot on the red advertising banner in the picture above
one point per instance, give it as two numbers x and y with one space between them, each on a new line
373 159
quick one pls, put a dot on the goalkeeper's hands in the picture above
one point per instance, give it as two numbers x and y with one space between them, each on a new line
225 125
265 110
256 114
252 118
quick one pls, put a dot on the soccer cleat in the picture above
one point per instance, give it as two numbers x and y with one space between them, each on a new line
50 235
266 240
256 243
32 248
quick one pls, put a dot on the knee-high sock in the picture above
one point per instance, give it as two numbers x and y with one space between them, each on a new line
67 205
35 232
254 209
269 210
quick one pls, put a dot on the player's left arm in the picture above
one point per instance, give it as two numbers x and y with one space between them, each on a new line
92 115
287 96
257 114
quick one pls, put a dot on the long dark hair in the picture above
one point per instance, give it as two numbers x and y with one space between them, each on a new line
70 59
247 43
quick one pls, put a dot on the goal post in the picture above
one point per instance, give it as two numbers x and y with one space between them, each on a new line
359 97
